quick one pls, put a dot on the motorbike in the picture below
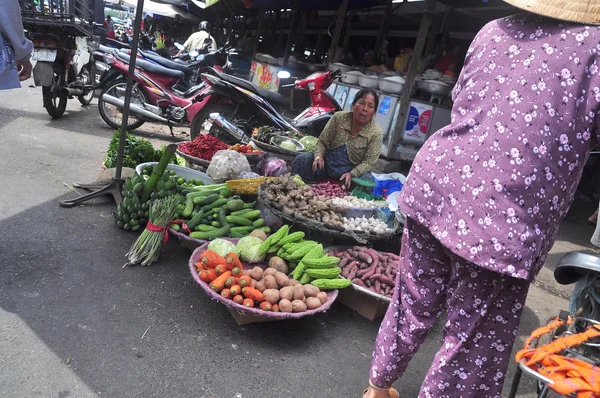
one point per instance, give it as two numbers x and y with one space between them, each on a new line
237 106
64 68
164 91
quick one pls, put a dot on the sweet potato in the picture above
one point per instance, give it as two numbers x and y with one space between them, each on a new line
358 281
285 305
322 296
297 306
310 291
383 279
353 269
270 282
271 295
269 271
298 292
313 303
278 264
286 293
256 273
282 279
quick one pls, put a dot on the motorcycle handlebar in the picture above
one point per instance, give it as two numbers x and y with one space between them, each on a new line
288 85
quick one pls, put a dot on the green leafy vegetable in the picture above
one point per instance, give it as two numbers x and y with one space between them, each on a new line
137 150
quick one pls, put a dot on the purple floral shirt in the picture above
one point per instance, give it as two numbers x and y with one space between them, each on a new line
494 185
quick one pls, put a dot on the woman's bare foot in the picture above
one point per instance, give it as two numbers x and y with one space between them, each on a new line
373 393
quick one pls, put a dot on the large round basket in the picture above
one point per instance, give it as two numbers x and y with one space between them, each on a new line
186 241
191 159
306 224
332 295
285 154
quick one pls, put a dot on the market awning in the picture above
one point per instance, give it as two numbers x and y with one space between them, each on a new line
166 10
310 4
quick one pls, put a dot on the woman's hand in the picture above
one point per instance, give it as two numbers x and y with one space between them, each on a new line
347 179
24 69
318 163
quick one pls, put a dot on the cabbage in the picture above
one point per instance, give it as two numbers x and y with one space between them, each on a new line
248 247
223 247
309 143
289 145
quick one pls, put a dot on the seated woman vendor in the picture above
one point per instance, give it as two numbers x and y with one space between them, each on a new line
348 147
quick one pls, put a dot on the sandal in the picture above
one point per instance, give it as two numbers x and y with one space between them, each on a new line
392 393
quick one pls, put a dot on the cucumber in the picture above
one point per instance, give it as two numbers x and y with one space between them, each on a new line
239 220
222 217
216 224
235 205
240 212
249 205
176 227
266 230
205 200
258 223
189 207
195 221
217 233
238 234
251 215
217 203
205 228
242 229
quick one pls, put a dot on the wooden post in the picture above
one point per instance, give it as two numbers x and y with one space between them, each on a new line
259 28
383 28
441 45
339 24
293 28
394 138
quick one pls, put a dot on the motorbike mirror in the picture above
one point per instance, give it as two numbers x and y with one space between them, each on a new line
178 46
283 74
194 53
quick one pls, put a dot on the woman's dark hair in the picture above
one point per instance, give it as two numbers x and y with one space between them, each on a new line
364 92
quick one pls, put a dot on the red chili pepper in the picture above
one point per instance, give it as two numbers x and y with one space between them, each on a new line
203 147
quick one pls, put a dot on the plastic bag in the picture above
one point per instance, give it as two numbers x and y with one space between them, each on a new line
227 165
386 184
248 174
272 167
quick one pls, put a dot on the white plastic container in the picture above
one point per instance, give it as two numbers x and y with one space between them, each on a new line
368 81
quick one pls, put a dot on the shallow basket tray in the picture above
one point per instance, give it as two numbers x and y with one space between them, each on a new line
187 241
331 294
192 159
355 287
246 186
275 149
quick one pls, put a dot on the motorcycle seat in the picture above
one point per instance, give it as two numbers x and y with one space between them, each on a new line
106 49
573 266
167 63
272 97
151 67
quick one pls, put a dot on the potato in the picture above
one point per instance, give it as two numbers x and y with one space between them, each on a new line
282 279
311 291
271 295
278 264
297 306
312 303
259 234
286 292
285 305
293 282
270 282
260 285
298 292
269 271
256 273
322 296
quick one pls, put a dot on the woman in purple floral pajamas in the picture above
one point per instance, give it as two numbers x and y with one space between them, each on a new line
485 197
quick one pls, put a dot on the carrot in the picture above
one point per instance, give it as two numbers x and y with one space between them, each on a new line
235 289
200 266
221 268
219 284
265 306
237 271
212 274
233 261
226 293
238 298
252 293
204 276
275 308
232 280
248 302
210 259
245 280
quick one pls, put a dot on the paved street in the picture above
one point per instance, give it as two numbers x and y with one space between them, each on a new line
73 323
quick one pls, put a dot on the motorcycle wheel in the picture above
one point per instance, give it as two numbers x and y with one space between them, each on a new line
90 79
54 103
113 115
198 124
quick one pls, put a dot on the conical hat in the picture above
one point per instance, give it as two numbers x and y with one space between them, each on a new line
581 11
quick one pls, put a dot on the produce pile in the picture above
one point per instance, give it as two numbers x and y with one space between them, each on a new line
267 133
368 268
210 211
285 194
309 142
203 147
353 201
329 189
245 149
137 151
369 225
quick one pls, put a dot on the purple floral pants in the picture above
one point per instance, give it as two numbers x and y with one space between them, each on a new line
483 312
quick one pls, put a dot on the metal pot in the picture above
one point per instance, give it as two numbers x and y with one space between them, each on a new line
435 87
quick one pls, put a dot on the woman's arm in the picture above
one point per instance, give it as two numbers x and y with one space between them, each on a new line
371 155
11 26
326 135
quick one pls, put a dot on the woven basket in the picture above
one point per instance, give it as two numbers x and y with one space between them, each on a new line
275 149
247 186
187 241
321 228
331 295
192 159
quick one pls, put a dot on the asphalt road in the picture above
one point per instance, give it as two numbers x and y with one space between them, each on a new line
73 323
